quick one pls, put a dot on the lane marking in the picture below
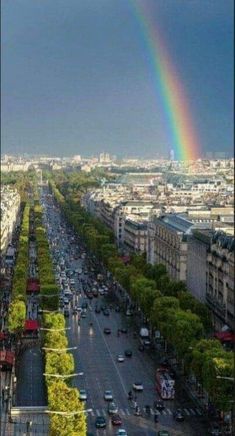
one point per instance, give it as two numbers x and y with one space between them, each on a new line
127 412
169 411
193 411
187 412
114 363
199 412
97 412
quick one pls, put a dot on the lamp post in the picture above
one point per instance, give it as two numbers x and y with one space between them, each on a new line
63 376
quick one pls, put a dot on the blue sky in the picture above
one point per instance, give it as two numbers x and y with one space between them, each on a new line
76 78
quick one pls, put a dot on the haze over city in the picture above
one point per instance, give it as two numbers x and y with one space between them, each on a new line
87 76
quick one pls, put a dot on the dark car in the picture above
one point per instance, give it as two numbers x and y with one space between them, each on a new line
117 309
106 312
107 331
97 309
116 420
141 347
84 305
100 422
128 353
178 415
159 405
163 433
214 430
95 293
123 330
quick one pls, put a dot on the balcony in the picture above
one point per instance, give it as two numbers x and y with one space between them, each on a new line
215 305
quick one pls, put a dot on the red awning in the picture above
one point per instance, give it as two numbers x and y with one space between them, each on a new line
7 357
31 324
225 336
2 336
33 285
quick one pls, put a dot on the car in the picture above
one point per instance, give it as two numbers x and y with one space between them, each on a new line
214 430
138 386
116 420
121 432
141 347
108 396
112 408
128 353
83 314
159 405
163 433
178 415
75 311
123 330
106 312
95 293
66 313
97 309
100 422
129 313
82 395
84 305
117 309
120 358
107 330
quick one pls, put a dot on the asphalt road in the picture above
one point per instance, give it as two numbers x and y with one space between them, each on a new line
96 356
30 389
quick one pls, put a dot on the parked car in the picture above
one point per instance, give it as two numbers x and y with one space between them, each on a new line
107 331
128 353
82 395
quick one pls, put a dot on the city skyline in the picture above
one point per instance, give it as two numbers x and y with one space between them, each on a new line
96 76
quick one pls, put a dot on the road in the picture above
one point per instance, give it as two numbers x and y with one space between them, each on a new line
96 356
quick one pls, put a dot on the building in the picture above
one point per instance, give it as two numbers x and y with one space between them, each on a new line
10 206
220 280
199 242
135 236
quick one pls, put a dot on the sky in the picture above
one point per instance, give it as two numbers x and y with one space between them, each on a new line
76 76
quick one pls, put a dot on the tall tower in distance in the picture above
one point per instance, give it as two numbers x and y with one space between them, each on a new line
172 154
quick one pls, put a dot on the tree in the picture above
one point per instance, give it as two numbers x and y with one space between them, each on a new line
138 286
186 329
62 364
17 316
65 399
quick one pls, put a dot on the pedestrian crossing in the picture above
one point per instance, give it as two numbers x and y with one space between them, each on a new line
128 412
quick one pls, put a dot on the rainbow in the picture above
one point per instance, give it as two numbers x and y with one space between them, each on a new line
184 139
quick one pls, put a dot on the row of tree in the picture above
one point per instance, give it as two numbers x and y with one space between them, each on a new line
58 362
49 292
181 319
61 396
17 307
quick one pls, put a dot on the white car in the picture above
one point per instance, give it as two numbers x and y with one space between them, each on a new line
138 386
108 396
121 432
120 358
82 395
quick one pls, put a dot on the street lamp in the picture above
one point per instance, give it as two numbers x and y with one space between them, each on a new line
225 378
67 414
63 376
55 330
59 350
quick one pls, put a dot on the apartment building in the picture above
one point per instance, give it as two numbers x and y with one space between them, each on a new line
135 235
220 280
168 244
199 242
10 205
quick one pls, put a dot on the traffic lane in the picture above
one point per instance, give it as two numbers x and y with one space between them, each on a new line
100 376
142 368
